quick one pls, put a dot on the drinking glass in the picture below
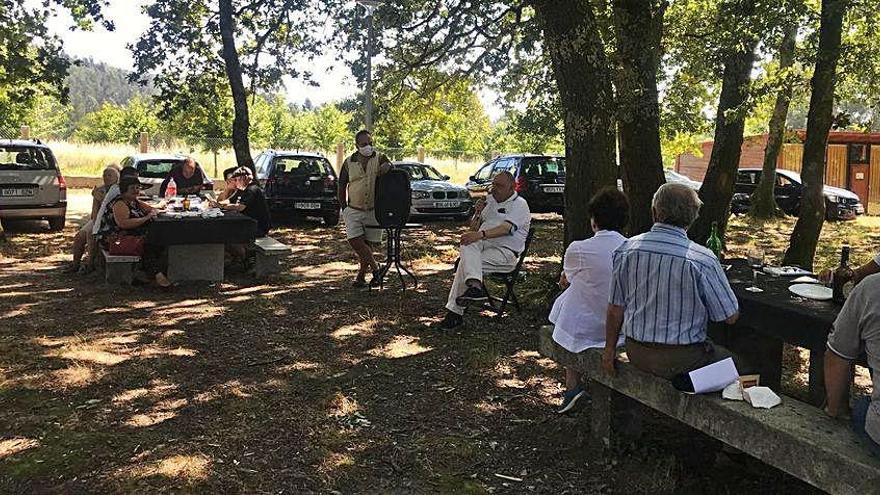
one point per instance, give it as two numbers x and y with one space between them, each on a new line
755 257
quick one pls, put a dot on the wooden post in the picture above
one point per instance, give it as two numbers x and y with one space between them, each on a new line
421 154
25 132
340 155
144 144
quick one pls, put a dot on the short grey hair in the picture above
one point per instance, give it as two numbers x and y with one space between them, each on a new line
676 204
110 175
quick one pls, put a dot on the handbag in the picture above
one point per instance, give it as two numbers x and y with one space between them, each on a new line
126 245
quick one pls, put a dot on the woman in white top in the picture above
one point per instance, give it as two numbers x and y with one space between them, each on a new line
578 314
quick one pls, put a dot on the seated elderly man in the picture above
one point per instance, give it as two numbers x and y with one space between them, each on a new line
84 241
496 238
856 329
664 291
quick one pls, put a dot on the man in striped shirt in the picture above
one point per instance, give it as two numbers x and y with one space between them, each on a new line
664 291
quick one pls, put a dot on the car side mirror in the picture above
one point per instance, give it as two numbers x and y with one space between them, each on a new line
446 177
472 178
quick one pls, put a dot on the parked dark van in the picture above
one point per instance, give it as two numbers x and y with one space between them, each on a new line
540 179
299 183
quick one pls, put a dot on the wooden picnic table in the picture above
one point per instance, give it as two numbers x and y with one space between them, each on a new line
774 317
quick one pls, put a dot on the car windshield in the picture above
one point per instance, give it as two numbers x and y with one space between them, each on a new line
422 172
672 175
26 158
299 165
543 166
157 169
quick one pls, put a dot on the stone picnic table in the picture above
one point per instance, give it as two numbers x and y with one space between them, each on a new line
196 245
771 318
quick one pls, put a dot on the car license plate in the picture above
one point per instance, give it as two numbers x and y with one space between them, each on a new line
447 204
17 191
307 206
554 189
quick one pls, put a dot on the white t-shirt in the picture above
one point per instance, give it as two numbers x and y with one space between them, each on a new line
579 312
112 194
514 211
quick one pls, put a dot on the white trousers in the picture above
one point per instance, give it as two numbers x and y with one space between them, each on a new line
474 260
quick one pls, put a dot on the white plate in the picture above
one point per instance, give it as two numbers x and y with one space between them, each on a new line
811 291
786 271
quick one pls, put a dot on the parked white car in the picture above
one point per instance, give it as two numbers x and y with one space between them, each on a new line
31 185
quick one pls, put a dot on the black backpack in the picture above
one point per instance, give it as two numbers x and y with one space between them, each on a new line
393 198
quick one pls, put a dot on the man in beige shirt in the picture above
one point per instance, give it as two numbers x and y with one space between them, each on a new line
357 185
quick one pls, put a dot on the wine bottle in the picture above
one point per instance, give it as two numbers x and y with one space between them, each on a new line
714 242
841 278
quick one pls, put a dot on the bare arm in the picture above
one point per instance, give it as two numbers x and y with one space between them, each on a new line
838 372
732 319
863 271
613 324
122 216
342 188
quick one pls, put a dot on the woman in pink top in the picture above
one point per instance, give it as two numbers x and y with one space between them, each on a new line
578 314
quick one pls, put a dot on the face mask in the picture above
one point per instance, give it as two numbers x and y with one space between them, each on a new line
366 150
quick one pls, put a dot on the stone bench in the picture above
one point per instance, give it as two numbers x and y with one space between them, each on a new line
119 269
268 255
795 437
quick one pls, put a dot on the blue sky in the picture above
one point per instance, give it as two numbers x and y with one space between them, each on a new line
335 81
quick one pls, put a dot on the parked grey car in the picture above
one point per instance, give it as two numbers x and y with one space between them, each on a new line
31 185
433 195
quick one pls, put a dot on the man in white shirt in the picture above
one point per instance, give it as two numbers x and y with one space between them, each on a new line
493 244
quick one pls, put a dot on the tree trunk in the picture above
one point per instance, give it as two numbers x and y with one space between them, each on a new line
639 27
241 121
805 236
763 201
580 67
717 189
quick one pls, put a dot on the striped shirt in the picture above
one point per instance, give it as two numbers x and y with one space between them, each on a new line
669 287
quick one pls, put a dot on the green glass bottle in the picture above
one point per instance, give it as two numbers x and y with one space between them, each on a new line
714 242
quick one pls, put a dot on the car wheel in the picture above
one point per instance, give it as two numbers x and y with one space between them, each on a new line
56 224
7 224
331 219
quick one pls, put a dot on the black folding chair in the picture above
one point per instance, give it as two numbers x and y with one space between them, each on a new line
508 280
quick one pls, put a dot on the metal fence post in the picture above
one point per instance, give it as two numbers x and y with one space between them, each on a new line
25 132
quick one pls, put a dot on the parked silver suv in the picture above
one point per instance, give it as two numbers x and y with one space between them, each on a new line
31 185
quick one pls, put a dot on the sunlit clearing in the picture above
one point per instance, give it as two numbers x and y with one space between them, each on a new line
232 388
488 407
149 419
335 461
525 357
76 375
158 389
246 290
362 329
299 366
401 346
187 467
343 406
12 446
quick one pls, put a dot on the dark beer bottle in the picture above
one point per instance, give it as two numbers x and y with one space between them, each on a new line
841 278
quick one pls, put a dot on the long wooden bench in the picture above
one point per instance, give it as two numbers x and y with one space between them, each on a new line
119 269
268 256
794 437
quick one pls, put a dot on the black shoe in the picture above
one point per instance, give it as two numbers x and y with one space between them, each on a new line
451 321
472 295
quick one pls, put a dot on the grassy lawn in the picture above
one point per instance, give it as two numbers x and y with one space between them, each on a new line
89 159
300 384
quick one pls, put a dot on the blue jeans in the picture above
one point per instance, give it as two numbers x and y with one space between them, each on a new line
859 413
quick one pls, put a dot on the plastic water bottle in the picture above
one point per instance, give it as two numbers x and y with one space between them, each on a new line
171 190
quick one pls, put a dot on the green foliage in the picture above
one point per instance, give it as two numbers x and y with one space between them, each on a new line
32 62
438 116
117 123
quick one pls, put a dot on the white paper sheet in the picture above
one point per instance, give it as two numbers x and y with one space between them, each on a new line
714 377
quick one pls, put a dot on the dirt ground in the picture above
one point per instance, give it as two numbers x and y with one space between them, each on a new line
301 384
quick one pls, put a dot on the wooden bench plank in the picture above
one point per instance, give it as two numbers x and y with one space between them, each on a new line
794 437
